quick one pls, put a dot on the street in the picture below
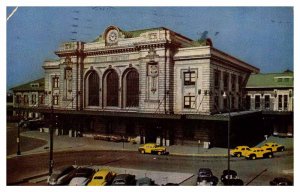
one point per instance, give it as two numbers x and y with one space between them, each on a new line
34 165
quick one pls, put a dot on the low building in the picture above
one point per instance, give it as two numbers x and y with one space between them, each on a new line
27 97
273 94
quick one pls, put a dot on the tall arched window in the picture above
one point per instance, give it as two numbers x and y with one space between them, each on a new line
132 89
112 88
93 89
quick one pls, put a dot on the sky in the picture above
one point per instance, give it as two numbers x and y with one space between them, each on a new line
260 36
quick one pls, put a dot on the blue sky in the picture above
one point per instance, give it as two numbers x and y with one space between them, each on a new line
261 36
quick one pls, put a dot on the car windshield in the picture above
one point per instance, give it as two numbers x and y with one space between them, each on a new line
204 173
119 182
98 177
57 172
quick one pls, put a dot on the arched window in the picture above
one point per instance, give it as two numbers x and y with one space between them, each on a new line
112 88
93 89
132 89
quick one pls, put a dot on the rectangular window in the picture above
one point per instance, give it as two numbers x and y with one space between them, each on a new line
248 102
189 78
55 82
232 102
257 101
285 102
279 102
55 100
42 99
18 99
225 105
233 80
239 104
189 102
225 81
217 79
267 102
25 99
216 100
33 99
240 83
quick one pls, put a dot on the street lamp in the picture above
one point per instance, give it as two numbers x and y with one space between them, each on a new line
51 138
228 131
18 137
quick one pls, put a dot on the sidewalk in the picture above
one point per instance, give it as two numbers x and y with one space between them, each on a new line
66 143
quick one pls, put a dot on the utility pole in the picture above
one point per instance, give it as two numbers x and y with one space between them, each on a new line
51 139
18 137
228 131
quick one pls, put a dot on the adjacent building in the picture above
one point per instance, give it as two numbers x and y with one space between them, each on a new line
273 94
27 97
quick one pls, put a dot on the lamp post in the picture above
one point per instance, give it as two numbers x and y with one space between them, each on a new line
18 137
228 131
51 138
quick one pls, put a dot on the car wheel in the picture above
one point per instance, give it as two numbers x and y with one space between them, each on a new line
270 155
253 157
142 151
238 154
159 153
282 149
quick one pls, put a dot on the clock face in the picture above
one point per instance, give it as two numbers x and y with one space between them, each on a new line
112 36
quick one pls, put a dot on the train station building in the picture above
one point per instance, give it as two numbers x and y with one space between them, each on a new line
154 85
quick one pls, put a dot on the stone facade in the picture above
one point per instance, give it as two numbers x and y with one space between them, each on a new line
144 84
175 75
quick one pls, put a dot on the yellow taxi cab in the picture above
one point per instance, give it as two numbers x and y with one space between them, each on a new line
257 152
274 147
239 151
102 177
152 148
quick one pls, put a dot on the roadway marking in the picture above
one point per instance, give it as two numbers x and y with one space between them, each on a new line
257 176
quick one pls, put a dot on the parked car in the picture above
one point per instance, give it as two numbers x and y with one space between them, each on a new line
102 177
205 183
258 152
171 184
32 124
274 147
145 181
79 181
124 179
82 176
229 177
152 148
207 175
239 151
281 181
62 175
